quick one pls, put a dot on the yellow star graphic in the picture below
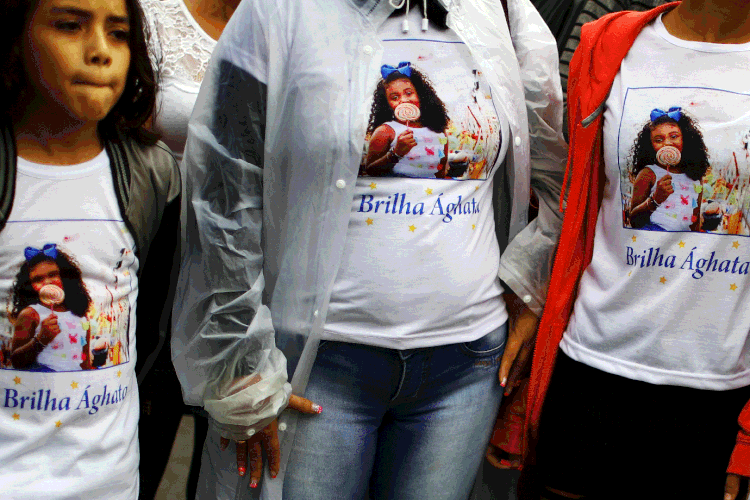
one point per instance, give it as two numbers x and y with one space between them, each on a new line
58 423
119 373
633 239
682 244
412 228
631 272
476 187
373 185
733 287
736 244
663 280
428 190
369 221
473 226
17 380
74 385
16 416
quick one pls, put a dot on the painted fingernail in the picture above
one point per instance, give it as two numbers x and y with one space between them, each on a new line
241 470
254 483
274 474
317 408
504 382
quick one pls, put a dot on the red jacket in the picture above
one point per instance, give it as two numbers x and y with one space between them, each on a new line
596 62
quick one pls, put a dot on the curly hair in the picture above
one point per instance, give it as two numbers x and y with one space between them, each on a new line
138 100
434 116
77 299
694 161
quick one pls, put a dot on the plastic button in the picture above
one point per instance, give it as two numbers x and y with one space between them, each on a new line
517 141
527 298
250 432
367 49
341 183
315 313
459 25
282 426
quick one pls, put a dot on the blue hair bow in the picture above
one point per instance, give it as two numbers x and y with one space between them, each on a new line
404 67
674 113
50 250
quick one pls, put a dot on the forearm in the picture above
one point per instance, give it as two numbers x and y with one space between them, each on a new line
25 352
383 165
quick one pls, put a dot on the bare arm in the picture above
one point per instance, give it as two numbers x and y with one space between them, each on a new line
642 205
25 348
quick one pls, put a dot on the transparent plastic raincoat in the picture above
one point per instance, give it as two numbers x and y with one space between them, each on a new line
274 147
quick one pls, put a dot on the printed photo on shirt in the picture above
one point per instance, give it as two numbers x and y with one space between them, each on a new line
52 323
430 124
682 168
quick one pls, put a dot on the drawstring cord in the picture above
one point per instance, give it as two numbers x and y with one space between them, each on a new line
405 25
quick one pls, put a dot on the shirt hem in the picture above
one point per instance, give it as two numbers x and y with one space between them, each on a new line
649 374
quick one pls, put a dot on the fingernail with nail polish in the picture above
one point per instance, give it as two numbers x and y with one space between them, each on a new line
241 470
254 483
504 382
317 408
274 474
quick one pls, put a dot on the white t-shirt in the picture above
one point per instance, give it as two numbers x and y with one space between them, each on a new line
670 307
69 420
421 259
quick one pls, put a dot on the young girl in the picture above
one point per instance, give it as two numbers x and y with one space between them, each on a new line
668 161
79 171
407 148
49 335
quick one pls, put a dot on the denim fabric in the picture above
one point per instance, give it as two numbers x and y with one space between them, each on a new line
409 424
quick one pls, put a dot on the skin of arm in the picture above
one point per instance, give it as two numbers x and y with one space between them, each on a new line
443 169
696 226
641 206
24 349
379 162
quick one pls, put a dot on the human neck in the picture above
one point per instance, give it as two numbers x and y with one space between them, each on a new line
212 15
45 138
713 21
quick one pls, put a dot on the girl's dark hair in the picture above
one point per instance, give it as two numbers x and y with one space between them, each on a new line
434 116
694 158
138 100
77 297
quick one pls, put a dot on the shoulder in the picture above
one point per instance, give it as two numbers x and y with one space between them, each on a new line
646 174
28 314
155 164
384 131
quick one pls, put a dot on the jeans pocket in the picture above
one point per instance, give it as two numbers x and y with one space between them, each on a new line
491 344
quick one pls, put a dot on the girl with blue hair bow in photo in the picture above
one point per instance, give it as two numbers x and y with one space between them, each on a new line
397 153
668 152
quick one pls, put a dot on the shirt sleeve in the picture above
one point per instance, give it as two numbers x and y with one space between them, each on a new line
526 264
740 461
223 344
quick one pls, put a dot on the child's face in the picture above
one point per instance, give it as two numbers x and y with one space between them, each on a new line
666 134
77 55
45 273
401 91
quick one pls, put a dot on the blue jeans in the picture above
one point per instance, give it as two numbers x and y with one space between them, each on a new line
405 425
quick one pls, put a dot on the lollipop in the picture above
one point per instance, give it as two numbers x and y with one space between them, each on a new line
407 112
668 156
51 295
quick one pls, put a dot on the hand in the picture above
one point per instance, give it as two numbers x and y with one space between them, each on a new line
663 189
732 487
520 345
49 329
404 142
502 460
249 452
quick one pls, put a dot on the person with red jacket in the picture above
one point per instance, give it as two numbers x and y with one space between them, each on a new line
642 358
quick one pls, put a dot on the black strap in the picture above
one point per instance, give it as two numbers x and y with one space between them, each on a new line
7 172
